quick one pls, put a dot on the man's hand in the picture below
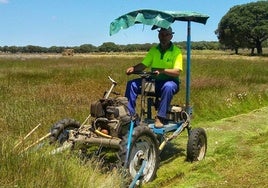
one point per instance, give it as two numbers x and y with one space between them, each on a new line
130 70
138 67
158 71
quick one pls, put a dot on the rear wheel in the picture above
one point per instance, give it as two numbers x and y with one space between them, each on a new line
60 130
144 146
197 145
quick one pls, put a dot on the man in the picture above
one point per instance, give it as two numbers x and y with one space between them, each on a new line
165 60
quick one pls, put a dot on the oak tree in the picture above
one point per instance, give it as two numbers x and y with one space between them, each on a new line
244 26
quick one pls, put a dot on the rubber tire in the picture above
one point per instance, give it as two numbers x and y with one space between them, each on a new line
197 145
143 139
60 130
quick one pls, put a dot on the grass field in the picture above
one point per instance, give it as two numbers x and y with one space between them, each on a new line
44 89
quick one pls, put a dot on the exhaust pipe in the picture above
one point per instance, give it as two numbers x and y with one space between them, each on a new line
106 142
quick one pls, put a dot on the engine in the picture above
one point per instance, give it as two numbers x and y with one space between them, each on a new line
111 116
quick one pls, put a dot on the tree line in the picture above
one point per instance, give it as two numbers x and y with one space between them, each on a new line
106 47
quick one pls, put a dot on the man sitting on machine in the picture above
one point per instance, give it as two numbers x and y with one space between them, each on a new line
165 60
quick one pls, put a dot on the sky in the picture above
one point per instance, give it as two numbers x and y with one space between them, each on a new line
71 23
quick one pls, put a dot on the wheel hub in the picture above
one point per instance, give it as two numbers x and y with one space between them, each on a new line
137 160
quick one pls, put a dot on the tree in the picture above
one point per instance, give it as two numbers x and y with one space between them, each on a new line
109 47
86 48
13 49
56 49
244 26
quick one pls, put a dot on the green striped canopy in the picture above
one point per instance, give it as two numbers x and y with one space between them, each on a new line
155 18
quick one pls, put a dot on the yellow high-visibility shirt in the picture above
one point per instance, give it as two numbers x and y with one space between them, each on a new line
170 59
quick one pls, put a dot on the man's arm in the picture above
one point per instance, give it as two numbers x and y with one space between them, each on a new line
136 68
169 72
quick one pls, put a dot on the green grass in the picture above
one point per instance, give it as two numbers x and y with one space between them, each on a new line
47 89
224 87
236 156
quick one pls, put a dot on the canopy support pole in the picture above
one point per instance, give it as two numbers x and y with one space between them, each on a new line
188 67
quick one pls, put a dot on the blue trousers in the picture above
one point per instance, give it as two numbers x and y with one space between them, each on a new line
163 89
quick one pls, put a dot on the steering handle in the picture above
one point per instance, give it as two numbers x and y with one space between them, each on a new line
145 74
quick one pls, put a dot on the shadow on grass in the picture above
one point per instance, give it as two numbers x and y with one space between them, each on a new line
171 152
107 160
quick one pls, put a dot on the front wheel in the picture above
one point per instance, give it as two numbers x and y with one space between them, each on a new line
197 145
144 146
60 130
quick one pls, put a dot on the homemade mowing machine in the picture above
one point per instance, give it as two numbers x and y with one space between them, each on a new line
135 138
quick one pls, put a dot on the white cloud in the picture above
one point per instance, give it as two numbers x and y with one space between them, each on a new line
4 1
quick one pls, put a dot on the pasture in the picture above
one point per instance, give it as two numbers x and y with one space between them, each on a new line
42 89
